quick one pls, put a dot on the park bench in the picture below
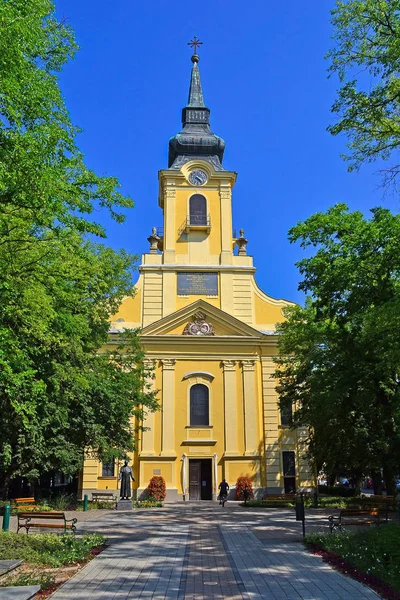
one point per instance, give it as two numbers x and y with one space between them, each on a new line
25 503
279 498
382 502
103 497
352 516
41 519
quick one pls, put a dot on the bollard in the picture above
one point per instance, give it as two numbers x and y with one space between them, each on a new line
85 502
315 501
6 517
300 512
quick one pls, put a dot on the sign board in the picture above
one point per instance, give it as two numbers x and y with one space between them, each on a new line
197 284
156 471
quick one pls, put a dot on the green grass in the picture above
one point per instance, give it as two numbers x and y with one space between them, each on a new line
323 502
260 504
375 550
48 549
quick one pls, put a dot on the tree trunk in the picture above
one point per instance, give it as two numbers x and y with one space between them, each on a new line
357 481
389 477
377 482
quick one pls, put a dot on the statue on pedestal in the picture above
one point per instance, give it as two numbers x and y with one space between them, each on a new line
125 476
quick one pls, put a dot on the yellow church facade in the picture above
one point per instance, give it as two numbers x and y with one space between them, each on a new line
208 331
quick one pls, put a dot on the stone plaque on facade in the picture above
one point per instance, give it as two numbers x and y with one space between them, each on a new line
198 284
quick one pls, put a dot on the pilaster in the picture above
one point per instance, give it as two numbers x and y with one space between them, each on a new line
168 412
148 422
225 194
230 399
272 447
250 407
169 223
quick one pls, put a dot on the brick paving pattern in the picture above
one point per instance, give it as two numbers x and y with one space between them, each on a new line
197 551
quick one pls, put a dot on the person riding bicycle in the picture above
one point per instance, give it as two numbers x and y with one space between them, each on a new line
223 492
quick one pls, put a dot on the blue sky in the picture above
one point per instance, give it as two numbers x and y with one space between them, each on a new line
264 79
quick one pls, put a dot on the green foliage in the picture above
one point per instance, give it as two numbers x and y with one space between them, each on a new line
244 484
156 490
375 551
48 549
367 59
340 353
45 580
336 490
323 502
148 504
262 504
58 285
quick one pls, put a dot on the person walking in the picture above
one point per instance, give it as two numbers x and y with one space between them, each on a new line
223 492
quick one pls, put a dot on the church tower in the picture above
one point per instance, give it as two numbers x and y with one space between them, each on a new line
209 333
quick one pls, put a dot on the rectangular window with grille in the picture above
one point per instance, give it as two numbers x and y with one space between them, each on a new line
108 469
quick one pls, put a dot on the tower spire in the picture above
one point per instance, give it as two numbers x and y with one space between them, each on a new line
195 89
196 140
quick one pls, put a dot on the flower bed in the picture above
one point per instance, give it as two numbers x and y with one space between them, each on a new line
371 556
50 559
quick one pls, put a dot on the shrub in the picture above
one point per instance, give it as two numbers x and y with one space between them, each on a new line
156 489
242 484
336 490
147 504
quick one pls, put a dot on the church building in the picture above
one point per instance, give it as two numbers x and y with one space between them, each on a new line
209 332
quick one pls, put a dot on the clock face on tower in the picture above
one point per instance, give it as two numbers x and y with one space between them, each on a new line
198 177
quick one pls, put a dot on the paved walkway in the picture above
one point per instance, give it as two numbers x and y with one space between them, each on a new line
199 551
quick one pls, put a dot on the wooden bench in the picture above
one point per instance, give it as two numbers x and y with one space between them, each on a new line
352 516
383 502
25 503
279 498
30 520
103 497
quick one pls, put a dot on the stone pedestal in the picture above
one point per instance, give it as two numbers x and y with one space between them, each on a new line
124 505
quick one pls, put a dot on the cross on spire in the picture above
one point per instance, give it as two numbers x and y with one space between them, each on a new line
194 43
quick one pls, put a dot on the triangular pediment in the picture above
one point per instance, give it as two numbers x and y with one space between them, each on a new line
220 323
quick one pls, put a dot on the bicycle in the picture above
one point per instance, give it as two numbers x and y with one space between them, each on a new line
223 498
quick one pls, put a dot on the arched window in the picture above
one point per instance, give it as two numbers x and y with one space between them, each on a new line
199 409
198 210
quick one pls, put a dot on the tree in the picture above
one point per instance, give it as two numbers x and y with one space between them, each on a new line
340 355
367 59
59 286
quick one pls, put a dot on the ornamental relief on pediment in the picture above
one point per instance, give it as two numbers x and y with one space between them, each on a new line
199 326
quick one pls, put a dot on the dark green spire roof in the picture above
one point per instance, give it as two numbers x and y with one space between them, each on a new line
195 92
196 140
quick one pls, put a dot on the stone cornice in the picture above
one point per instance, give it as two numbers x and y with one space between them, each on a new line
179 268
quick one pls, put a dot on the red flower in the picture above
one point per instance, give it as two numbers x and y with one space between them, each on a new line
156 489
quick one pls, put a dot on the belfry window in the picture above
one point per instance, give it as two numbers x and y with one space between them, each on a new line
199 405
197 210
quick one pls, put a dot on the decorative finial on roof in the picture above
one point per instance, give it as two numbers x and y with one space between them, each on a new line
193 44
